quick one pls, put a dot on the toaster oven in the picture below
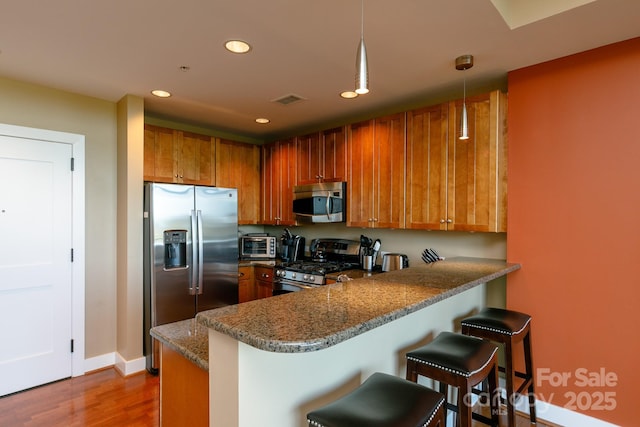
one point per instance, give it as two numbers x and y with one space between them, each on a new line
257 247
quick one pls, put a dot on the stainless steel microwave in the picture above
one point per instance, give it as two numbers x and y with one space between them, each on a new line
322 202
260 247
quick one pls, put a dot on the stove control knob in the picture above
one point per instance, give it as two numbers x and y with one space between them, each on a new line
294 275
312 278
305 277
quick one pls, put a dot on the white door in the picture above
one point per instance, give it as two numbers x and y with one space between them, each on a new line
35 262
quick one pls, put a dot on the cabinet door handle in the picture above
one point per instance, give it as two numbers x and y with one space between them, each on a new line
442 221
449 221
265 275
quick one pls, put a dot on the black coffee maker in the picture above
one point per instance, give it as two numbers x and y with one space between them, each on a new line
291 247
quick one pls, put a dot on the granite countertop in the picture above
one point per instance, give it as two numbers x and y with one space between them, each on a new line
335 313
188 337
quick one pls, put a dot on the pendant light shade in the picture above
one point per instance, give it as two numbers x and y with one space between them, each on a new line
464 123
362 69
362 65
463 63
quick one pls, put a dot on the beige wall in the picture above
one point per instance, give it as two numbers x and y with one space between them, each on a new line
129 252
29 105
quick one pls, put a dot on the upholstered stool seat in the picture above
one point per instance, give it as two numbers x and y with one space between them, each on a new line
508 328
383 401
462 362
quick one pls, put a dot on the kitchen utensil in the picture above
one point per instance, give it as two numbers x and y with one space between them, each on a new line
394 261
367 263
430 255
375 249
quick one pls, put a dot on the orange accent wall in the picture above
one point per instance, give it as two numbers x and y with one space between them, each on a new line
574 225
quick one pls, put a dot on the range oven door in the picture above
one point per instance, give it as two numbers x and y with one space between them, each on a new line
283 286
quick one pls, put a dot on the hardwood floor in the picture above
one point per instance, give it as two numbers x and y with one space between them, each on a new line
102 398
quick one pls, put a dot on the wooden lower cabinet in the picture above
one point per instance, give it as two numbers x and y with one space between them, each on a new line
246 284
264 281
184 391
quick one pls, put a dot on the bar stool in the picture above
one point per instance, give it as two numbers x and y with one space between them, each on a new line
383 401
459 361
508 328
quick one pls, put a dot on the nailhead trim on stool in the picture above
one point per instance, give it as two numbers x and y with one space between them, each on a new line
459 361
509 328
383 401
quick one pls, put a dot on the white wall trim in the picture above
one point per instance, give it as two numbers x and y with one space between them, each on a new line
129 367
78 230
99 362
125 367
561 416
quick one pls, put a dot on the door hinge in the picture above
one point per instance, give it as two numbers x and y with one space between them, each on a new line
71 254
71 345
73 164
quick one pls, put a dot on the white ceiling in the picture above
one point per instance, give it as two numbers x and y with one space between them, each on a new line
107 49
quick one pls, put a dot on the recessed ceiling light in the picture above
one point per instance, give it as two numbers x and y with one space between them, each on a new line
262 120
160 93
237 46
349 94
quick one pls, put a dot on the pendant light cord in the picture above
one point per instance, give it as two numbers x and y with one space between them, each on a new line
362 19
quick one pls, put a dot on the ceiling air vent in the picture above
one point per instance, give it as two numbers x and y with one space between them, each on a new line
289 99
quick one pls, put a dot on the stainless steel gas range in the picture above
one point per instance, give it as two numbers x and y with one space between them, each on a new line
327 256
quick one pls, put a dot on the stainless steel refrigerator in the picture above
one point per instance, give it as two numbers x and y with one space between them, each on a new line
190 255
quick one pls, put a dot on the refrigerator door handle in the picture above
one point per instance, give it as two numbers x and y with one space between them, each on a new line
199 285
193 283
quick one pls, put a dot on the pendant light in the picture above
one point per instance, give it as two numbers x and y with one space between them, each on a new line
463 63
362 67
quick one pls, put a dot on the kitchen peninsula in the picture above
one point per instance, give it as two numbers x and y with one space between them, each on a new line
273 360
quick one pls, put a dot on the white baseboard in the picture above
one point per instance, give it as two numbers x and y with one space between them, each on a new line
561 416
129 367
125 367
99 362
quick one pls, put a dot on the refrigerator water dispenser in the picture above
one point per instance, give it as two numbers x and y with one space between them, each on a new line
175 249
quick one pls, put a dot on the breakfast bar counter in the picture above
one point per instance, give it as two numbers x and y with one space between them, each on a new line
272 360
340 311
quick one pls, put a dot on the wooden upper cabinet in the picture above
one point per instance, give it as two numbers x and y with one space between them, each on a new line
322 156
427 144
238 166
376 165
175 156
477 178
310 158
455 184
279 167
159 154
334 154
195 159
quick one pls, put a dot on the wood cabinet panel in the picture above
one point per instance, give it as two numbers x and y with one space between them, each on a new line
184 391
279 160
264 281
376 167
195 159
310 158
477 166
322 156
175 156
246 284
455 184
159 154
238 166
427 145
